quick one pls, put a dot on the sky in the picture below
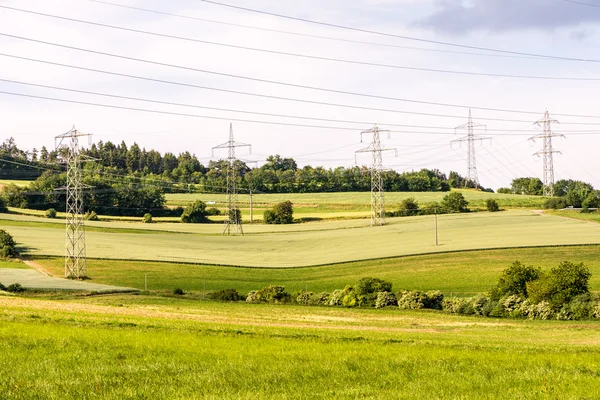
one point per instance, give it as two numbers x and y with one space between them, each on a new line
191 69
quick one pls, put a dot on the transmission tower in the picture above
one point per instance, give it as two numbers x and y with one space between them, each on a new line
547 152
233 219
377 192
471 137
75 262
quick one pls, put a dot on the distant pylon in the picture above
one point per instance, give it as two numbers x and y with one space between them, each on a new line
377 192
472 175
233 219
547 152
75 254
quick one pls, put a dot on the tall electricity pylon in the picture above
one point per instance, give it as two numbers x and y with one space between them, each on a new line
547 152
233 219
377 192
75 252
471 137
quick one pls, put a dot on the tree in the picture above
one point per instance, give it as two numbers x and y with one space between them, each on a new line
409 207
558 287
7 245
492 205
195 213
513 281
282 213
592 200
455 202
527 186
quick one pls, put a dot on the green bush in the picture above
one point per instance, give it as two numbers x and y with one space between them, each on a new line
147 218
303 297
282 213
7 245
514 280
178 291
408 208
367 286
91 216
252 297
51 213
194 213
385 299
2 287
15 288
581 307
561 285
226 295
459 305
492 205
555 203
336 298
212 212
414 300
455 202
269 294
319 299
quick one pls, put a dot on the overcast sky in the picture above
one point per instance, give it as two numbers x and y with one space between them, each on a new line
550 27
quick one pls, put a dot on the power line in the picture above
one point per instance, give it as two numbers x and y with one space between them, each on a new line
396 36
231 110
308 56
269 96
309 35
582 3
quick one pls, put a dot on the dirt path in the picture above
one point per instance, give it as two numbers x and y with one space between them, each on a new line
37 266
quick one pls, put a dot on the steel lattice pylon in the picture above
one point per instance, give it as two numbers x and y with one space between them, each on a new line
233 218
472 175
75 252
377 189
547 152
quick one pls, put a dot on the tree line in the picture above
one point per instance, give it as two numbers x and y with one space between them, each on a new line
567 192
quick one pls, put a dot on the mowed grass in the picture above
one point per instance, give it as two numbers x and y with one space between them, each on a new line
310 244
460 274
591 216
358 201
131 347
6 182
12 264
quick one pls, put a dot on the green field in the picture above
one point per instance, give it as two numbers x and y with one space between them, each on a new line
131 347
304 244
327 203
592 216
453 273
6 182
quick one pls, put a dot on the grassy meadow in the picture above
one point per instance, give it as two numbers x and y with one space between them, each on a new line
306 244
131 347
459 274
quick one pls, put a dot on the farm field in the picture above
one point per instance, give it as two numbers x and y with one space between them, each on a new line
123 347
304 244
359 201
592 216
458 274
6 182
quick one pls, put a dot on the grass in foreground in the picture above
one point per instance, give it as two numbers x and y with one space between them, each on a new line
127 347
457 273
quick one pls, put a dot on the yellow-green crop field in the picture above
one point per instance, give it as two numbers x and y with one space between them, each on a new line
306 244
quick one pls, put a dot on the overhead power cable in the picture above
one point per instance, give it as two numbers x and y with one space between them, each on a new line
244 111
308 35
349 28
582 3
299 55
314 102
273 82
230 119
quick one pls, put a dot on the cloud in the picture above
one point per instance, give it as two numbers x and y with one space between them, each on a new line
460 17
